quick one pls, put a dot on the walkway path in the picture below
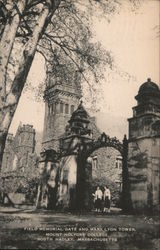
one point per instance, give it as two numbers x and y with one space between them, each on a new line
31 229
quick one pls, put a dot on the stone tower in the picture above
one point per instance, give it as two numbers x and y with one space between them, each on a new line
18 148
24 144
61 99
144 149
24 139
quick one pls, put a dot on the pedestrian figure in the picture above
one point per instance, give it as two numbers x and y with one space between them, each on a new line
98 199
107 199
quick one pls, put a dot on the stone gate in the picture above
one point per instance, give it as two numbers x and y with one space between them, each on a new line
67 174
73 176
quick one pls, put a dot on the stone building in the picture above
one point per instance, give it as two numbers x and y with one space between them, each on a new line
144 149
70 176
20 160
19 148
61 99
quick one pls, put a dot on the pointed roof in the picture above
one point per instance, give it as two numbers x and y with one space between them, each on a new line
80 114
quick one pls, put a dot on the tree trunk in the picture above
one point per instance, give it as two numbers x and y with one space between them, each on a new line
39 196
6 115
9 105
126 198
3 136
6 44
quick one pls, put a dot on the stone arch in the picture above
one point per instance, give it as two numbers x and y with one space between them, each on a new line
102 142
85 150
107 170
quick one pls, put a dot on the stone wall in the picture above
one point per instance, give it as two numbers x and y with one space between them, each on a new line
67 182
144 150
144 173
106 167
144 126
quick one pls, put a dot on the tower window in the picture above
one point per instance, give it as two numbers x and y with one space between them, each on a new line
61 107
66 108
72 108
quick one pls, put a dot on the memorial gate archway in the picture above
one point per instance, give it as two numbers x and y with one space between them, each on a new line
84 170
74 171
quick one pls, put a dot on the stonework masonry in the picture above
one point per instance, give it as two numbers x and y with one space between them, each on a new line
144 149
19 166
75 179
106 166
106 162
19 154
60 102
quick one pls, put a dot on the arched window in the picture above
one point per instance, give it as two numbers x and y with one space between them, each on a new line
66 108
72 108
61 107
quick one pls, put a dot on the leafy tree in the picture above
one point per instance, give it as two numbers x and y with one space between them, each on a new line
28 26
19 19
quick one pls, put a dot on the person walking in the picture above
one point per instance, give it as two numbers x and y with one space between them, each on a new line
107 199
98 199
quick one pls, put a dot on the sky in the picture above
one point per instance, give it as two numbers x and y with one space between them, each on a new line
134 43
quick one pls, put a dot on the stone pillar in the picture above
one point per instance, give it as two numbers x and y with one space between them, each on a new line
84 182
80 185
144 150
48 180
126 203
88 185
67 183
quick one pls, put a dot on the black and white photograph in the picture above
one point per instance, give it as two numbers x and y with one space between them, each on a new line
80 124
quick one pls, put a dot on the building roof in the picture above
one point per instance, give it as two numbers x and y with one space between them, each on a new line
147 91
148 87
80 114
